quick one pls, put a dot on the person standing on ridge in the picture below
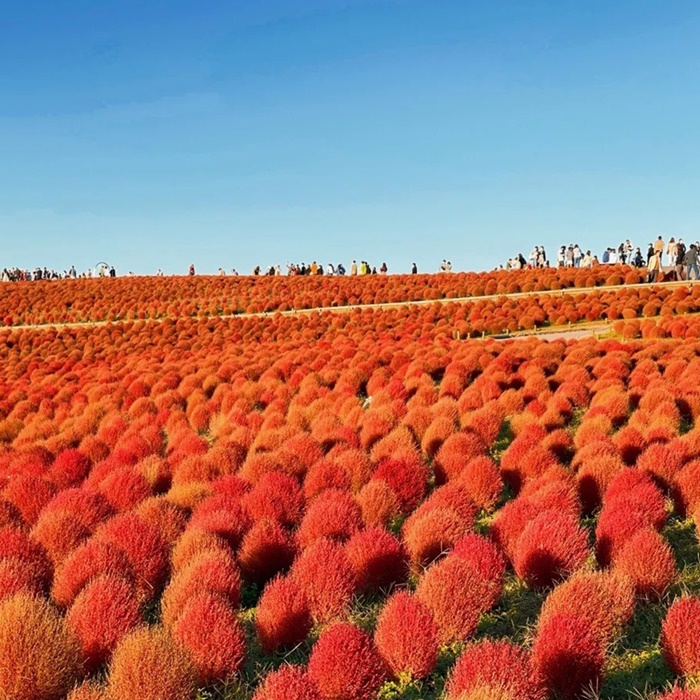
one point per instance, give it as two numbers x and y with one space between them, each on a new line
414 269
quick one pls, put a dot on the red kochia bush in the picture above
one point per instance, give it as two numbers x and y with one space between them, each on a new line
287 683
551 547
214 572
430 534
89 561
221 516
325 575
333 514
148 664
406 636
568 655
633 489
17 576
408 479
662 461
614 528
648 561
29 494
143 545
15 544
604 599
40 659
686 488
494 669
59 533
482 480
277 496
456 595
378 503
456 452
345 664
210 632
69 469
106 610
283 618
679 637
377 558
485 559
266 550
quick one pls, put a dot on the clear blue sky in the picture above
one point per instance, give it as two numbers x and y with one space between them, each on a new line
155 134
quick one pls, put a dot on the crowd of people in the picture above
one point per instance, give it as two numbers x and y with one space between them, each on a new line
314 268
16 274
674 258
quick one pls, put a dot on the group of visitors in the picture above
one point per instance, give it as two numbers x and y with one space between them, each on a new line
16 274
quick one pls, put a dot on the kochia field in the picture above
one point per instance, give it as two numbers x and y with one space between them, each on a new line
217 503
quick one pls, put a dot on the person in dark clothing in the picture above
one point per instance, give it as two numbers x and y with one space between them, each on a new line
680 256
112 272
650 252
191 271
414 269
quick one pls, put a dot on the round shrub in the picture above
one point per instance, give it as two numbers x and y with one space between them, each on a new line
40 659
91 560
326 576
648 561
614 529
568 655
494 669
222 516
485 559
345 664
192 543
211 572
482 481
276 495
456 452
550 548
456 596
59 533
604 599
378 559
406 637
679 637
334 514
149 665
283 618
430 534
209 631
15 544
378 503
143 545
104 612
408 479
17 576
266 550
287 683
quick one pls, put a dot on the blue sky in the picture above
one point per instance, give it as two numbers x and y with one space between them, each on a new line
155 134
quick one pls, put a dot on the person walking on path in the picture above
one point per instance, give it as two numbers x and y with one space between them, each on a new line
691 262
653 268
659 247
